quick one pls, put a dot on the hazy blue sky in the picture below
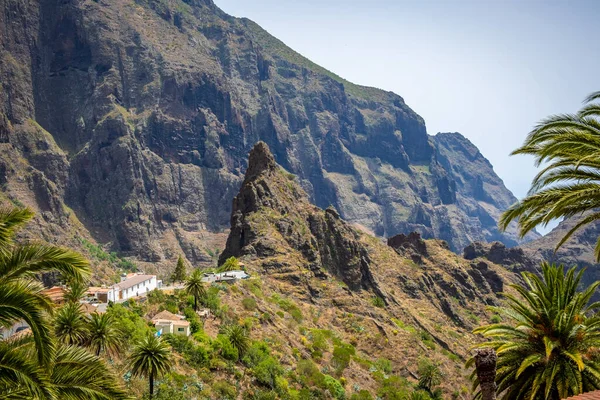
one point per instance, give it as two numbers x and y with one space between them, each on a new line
489 69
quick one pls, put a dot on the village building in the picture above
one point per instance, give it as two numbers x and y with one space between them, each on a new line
166 322
225 277
132 285
56 295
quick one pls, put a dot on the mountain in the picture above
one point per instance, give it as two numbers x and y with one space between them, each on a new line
401 301
127 123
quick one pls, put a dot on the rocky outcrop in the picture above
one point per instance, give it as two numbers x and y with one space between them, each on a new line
513 258
275 229
152 107
271 199
411 245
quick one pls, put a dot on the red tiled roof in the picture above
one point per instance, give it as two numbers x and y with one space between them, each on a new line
56 294
595 395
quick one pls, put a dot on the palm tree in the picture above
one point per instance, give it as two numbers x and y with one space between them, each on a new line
429 376
550 350
33 366
21 296
238 337
72 374
150 358
569 185
71 325
103 335
75 292
195 287
77 374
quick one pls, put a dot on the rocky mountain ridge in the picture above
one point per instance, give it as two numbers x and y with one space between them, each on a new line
128 123
405 300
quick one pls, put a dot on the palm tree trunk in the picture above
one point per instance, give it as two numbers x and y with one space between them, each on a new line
195 303
98 352
485 364
151 379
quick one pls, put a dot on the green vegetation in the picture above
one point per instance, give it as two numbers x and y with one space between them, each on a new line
231 264
238 337
249 303
36 365
103 335
378 302
568 186
289 306
98 253
150 358
430 376
547 347
195 287
71 325
179 274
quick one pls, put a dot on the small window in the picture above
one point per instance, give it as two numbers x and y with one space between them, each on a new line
180 329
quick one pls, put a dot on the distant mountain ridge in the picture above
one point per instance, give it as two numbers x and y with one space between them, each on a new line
129 123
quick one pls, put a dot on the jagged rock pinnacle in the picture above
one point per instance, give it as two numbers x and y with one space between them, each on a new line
261 159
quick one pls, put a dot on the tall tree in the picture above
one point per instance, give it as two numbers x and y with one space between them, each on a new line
21 296
150 358
195 287
569 185
238 336
548 350
179 274
71 325
103 335
34 366
75 292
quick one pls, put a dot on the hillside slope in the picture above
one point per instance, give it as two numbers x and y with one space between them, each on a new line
137 116
431 298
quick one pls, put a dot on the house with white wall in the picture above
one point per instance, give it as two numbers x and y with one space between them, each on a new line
166 322
132 285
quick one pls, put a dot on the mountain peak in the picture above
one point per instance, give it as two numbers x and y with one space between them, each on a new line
260 160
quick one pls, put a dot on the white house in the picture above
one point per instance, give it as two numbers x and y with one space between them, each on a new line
166 322
131 286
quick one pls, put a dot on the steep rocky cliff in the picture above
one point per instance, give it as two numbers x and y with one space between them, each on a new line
408 299
135 117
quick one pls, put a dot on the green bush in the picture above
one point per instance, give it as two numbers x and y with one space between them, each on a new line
133 327
195 355
223 346
342 354
256 353
496 319
378 302
249 303
225 390
257 394
394 388
267 371
362 395
334 387
384 365
308 374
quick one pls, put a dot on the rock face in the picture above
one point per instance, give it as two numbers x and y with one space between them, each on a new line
354 284
579 250
148 108
270 198
513 258
275 228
